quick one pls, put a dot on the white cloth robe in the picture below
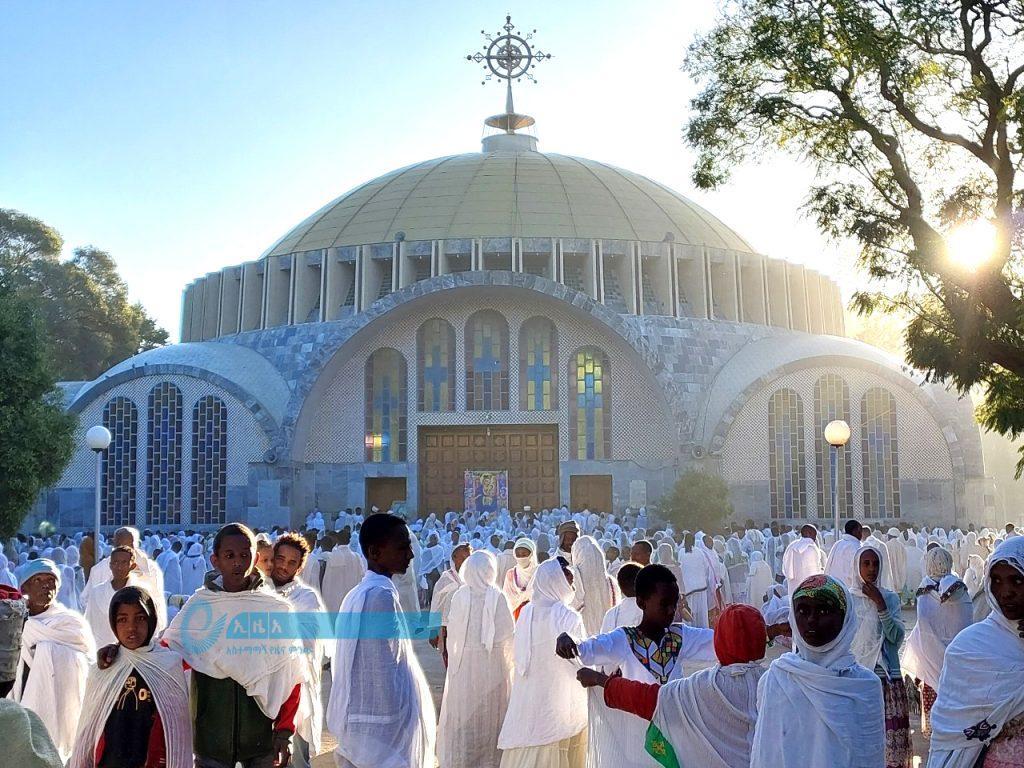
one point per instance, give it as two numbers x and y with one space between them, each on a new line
801 559
345 569
193 573
842 560
310 717
625 614
898 563
149 576
97 611
698 581
937 624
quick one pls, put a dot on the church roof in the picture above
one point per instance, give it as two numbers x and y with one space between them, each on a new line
508 193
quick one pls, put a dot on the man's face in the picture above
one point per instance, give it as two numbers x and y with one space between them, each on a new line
1007 585
396 553
235 561
459 556
286 563
566 540
121 564
41 591
638 554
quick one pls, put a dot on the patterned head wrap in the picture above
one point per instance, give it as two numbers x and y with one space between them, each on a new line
822 587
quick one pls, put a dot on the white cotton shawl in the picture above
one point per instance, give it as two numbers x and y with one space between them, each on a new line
818 708
593 586
477 594
981 679
867 641
163 673
709 717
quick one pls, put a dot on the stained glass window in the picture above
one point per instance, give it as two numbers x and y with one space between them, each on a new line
538 365
880 454
786 454
117 502
435 346
385 406
163 456
209 461
831 402
590 416
486 362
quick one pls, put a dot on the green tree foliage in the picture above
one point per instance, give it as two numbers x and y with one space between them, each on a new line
911 113
36 431
699 501
82 303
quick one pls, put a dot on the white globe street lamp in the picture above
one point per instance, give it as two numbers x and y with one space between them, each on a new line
98 439
837 434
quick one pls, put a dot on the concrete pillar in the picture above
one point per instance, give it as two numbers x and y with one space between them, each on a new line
230 300
252 296
211 306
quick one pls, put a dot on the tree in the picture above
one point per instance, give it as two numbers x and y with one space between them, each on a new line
911 113
82 302
37 431
699 501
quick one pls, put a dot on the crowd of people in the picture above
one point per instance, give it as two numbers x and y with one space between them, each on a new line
569 640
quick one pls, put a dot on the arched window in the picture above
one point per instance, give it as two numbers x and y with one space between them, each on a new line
121 417
435 345
538 365
209 460
385 406
163 456
590 423
786 454
486 362
831 402
880 454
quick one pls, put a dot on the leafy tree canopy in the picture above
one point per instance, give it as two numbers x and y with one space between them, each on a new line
82 303
911 113
699 501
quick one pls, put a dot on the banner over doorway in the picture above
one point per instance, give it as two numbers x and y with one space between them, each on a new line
486 491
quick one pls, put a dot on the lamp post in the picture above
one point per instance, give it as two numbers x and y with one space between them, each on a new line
98 439
837 434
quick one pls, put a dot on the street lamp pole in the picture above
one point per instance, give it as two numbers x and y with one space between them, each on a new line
98 439
837 434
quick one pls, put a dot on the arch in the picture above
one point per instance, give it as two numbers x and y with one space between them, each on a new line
386 406
538 365
831 402
589 405
486 362
880 454
163 455
117 502
435 366
209 460
786 463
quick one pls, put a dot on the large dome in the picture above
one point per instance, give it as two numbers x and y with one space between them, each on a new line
509 193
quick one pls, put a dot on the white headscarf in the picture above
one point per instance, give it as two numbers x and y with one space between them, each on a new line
867 642
548 613
478 591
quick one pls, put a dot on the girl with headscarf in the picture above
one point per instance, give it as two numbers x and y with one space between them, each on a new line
479 679
816 706
761 580
136 711
518 583
876 646
596 591
943 609
546 722
978 718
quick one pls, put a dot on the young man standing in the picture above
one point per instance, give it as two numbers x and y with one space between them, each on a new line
151 578
97 607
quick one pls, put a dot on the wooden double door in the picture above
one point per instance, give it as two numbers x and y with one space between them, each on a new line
529 452
593 492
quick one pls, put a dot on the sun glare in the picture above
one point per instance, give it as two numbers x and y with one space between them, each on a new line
971 244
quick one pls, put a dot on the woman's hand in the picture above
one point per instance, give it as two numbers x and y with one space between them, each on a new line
874 595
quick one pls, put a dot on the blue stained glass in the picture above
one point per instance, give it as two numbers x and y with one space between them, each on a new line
590 417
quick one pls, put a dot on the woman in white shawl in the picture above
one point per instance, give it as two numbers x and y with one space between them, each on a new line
479 679
595 589
699 579
68 594
943 609
816 706
761 580
978 718
546 722
518 583
974 578
193 569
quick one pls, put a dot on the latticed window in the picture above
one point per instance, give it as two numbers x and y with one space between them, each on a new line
117 503
590 415
538 365
786 454
880 454
435 349
385 406
831 402
163 455
209 461
486 362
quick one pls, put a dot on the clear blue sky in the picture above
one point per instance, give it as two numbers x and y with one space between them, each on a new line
183 137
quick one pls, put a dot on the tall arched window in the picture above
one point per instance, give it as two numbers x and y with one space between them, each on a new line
590 424
163 456
538 365
435 347
209 461
831 402
385 406
880 454
786 454
486 362
121 417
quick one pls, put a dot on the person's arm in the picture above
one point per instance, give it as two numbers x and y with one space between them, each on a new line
599 650
698 644
284 727
893 629
640 699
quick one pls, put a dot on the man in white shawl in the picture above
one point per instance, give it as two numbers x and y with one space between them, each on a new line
843 556
446 586
171 567
546 722
479 678
56 650
380 709
148 572
97 608
897 555
193 569
803 558
981 699
816 706
344 571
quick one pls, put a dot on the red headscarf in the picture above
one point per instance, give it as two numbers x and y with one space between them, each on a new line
740 635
